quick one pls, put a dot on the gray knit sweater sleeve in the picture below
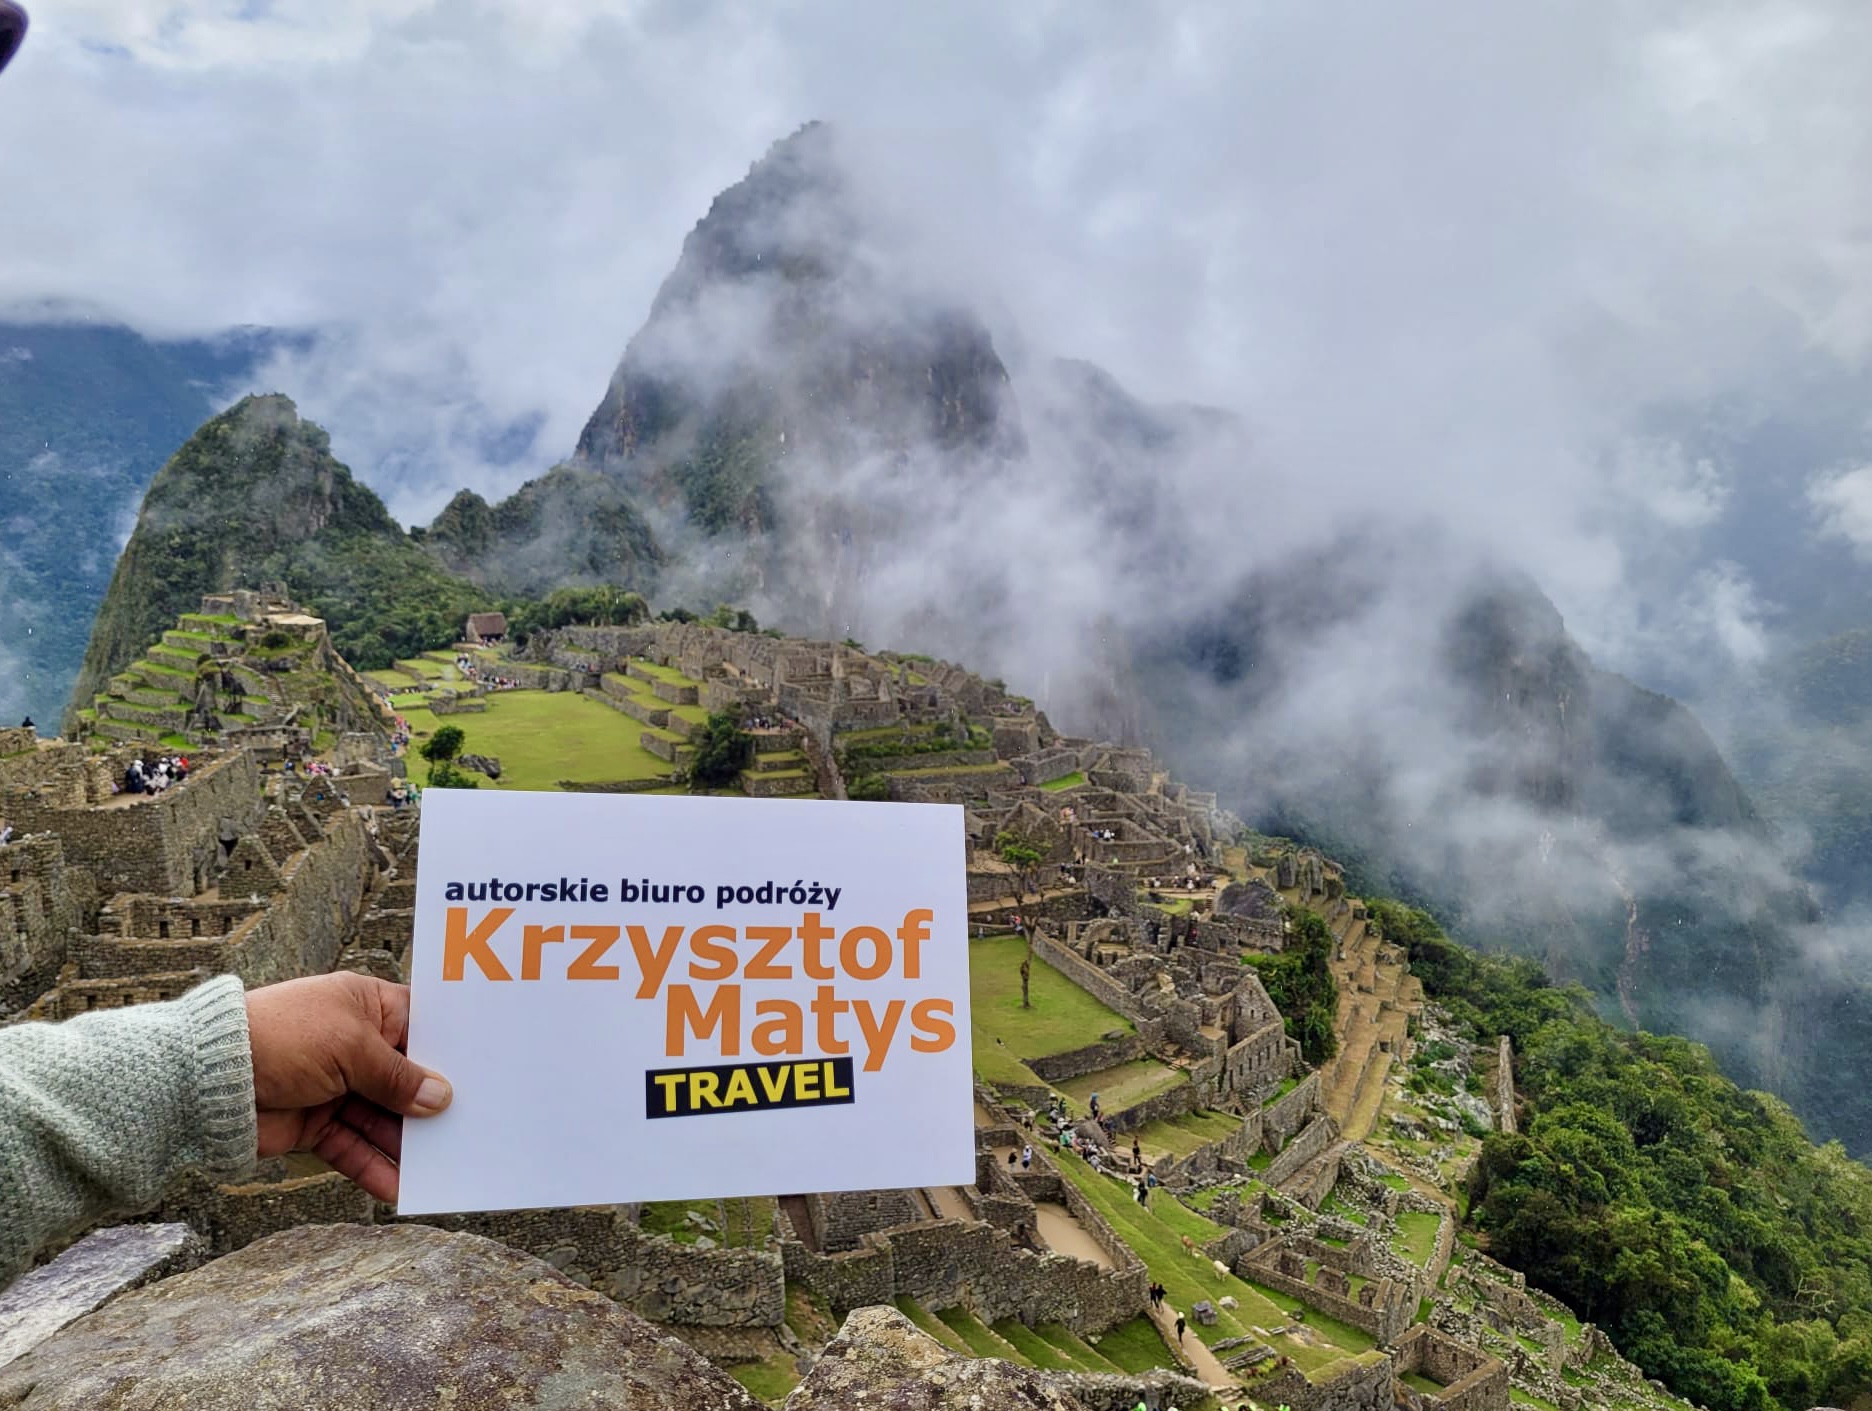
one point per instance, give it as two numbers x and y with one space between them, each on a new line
98 1113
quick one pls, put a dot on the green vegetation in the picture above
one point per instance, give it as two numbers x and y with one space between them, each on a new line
1180 1136
1064 1017
1124 1085
1065 781
283 510
544 737
1299 981
601 605
1415 1237
740 1223
440 749
1135 1346
769 1381
722 750
933 1325
1036 1350
1156 1235
1694 1222
982 1341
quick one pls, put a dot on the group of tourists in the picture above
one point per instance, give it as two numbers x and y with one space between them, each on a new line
142 778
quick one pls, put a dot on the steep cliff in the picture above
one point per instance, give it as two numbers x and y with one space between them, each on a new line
773 419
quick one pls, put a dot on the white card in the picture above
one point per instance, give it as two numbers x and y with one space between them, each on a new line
793 1018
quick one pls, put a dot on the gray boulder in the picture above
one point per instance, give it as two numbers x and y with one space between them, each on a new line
367 1318
482 764
882 1360
1253 900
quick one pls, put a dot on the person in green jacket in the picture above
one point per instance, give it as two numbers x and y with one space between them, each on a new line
99 1113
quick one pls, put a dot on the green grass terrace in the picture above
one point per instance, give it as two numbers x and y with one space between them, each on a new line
1063 1017
1156 1236
544 737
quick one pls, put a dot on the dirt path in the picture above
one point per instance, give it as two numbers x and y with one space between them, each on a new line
1206 1365
1063 1234
949 1203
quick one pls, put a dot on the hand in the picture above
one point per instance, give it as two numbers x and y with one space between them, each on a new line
330 1076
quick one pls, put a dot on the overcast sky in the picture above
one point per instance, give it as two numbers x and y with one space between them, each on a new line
1447 258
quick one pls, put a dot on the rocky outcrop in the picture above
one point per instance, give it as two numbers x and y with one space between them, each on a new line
87 1276
368 1318
880 1359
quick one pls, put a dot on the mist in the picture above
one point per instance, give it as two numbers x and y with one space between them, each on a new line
1396 301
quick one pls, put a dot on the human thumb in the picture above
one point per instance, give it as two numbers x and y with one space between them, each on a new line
391 1081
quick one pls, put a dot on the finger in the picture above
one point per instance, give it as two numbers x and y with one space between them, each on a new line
378 1072
383 1130
392 1012
347 1153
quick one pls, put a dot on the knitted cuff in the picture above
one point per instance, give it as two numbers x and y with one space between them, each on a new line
216 1018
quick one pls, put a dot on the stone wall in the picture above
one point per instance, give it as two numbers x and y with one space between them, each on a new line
1504 1085
1384 1308
1364 1382
1285 1116
1210 1160
231 1217
1258 1061
1089 978
1471 1379
1107 1053
82 996
43 903
1313 1139
1102 1391
167 843
950 1263
841 1219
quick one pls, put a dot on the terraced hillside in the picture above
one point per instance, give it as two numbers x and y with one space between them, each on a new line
220 678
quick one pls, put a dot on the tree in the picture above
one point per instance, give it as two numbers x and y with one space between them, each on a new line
441 750
722 751
1024 855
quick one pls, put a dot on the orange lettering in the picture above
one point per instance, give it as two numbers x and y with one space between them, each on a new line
459 943
789 1023
654 964
880 952
773 939
534 940
723 1015
586 967
940 1032
707 944
913 932
877 1037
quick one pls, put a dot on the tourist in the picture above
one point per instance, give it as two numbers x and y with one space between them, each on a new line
6 835
1180 1326
27 723
1137 1153
1095 1106
1026 1151
100 1113
1012 1157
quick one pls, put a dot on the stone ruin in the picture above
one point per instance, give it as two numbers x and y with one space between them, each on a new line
108 899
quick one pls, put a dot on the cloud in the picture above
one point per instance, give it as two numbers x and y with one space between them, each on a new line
1842 501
